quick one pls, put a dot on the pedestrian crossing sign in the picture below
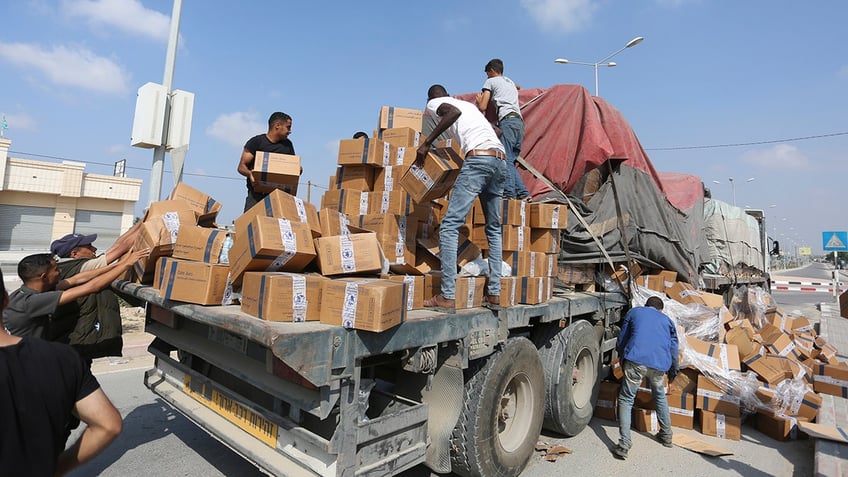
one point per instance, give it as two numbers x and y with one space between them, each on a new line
835 241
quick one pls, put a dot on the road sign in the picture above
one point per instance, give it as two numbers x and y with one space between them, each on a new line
835 241
805 250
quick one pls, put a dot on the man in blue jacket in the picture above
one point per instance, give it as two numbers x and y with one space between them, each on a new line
647 345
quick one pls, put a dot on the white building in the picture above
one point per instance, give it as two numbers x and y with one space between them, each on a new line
42 201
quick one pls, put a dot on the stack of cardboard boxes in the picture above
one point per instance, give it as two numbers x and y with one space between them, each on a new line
371 253
761 363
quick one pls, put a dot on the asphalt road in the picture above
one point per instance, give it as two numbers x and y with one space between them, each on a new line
159 441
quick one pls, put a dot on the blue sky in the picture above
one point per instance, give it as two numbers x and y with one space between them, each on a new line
708 73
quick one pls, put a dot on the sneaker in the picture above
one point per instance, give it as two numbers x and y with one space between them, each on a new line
620 452
440 303
665 441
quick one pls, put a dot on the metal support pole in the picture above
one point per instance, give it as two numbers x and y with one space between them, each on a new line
158 167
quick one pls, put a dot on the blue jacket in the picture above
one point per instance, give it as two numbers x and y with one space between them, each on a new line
648 337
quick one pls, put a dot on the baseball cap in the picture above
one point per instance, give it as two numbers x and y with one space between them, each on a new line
63 246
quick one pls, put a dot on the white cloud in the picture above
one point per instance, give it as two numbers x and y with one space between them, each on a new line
236 128
562 15
18 121
781 156
69 66
125 15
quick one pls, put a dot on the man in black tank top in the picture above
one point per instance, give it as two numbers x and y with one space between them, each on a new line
275 140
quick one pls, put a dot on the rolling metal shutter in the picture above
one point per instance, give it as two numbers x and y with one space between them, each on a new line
25 228
107 226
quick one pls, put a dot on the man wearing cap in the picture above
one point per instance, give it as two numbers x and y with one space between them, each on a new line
91 324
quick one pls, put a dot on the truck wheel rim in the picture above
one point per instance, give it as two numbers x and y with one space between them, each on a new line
583 378
516 412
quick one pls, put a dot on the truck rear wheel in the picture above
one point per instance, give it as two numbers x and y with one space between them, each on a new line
502 416
571 359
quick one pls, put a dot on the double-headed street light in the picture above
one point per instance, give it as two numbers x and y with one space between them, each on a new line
595 65
733 187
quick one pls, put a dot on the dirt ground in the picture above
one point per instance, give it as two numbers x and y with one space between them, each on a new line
132 319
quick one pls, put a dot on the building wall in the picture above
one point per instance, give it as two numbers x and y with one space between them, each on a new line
64 187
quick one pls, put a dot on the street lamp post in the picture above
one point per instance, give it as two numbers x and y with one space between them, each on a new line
733 187
598 63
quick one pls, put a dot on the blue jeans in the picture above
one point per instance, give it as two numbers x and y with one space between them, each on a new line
512 135
481 176
633 374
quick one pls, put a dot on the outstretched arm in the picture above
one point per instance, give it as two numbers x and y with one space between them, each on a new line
104 279
124 243
103 423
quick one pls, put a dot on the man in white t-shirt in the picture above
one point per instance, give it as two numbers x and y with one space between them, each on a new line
483 173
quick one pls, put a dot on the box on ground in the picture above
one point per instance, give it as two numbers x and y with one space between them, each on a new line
681 407
281 296
645 420
607 405
193 282
712 398
276 171
369 304
781 428
721 425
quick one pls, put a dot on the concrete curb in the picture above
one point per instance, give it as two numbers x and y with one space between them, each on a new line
831 458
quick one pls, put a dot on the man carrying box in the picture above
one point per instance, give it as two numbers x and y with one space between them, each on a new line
275 140
483 174
647 345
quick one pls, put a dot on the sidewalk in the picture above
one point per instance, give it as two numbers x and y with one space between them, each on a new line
831 458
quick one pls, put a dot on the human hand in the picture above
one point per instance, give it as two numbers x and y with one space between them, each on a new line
136 255
421 153
672 373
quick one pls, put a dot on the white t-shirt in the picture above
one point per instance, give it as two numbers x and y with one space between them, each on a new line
472 130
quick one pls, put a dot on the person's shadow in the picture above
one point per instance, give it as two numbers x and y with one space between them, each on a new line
154 421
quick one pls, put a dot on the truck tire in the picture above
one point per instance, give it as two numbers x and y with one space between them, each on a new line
500 422
572 362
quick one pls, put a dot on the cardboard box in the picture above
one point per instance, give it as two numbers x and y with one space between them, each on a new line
681 407
712 398
161 207
193 282
391 202
544 240
548 216
466 251
519 262
415 289
374 152
469 292
831 379
514 212
432 179
657 281
354 177
766 368
432 284
515 238
535 290
576 273
712 300
273 245
392 117
723 356
388 178
781 428
721 425
510 291
645 420
201 244
616 369
281 296
347 201
396 235
276 171
685 293
363 304
158 233
348 254
282 205
401 137
607 405
686 382
743 338
205 206
777 341
334 222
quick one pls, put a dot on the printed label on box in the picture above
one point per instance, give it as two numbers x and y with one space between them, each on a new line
349 308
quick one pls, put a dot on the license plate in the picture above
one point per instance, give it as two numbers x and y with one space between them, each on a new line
231 410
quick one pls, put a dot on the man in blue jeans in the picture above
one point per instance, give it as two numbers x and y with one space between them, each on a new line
647 345
503 92
482 175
